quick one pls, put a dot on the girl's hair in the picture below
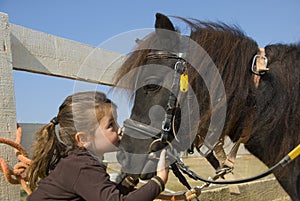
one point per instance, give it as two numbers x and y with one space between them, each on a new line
80 112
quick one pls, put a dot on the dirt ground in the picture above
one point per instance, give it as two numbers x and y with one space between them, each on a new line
245 166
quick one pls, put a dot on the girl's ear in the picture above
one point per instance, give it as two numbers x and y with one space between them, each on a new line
82 139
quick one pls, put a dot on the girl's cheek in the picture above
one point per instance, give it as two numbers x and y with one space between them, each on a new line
88 145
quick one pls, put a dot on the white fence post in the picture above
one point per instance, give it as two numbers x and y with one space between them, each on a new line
7 108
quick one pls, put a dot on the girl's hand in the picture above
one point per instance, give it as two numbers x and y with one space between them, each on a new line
162 167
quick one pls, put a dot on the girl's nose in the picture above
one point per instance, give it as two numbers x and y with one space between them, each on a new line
120 132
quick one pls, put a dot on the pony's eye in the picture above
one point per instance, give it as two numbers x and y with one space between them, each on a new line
152 84
151 87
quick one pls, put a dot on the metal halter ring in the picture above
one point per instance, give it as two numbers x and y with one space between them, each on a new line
159 140
259 64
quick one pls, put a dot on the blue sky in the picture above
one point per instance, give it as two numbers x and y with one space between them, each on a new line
93 22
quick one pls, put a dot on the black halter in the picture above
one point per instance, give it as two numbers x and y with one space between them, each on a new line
179 69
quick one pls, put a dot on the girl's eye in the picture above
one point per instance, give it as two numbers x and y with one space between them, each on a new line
111 125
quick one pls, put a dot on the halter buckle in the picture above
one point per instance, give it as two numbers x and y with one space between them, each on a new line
259 64
180 66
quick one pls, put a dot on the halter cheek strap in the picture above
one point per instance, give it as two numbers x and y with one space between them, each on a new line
180 83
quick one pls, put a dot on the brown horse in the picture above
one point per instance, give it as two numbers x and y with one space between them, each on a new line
226 95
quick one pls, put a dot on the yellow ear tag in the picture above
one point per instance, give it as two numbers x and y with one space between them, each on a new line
184 82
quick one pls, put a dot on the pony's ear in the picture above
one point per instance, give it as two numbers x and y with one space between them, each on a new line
167 37
163 22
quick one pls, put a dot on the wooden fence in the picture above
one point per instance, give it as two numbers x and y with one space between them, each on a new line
33 51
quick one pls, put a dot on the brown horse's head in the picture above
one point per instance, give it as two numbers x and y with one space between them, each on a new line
153 71
166 109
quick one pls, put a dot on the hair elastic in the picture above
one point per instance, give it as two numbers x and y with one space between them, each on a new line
54 120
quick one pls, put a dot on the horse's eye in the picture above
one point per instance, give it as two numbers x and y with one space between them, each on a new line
151 87
152 84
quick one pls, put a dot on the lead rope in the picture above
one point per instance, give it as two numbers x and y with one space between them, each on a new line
282 163
17 175
196 191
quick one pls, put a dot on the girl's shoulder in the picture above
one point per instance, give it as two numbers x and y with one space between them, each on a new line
80 158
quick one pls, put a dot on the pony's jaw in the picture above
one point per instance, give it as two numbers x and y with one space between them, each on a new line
147 172
137 166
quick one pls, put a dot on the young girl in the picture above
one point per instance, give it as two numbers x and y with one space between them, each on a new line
68 151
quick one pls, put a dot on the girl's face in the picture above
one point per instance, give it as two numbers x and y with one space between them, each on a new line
107 136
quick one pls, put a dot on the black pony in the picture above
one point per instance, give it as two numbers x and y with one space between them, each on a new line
226 95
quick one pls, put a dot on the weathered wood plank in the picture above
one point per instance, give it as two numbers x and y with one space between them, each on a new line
43 53
7 108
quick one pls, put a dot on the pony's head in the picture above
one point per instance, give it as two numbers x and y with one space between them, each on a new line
174 80
154 72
